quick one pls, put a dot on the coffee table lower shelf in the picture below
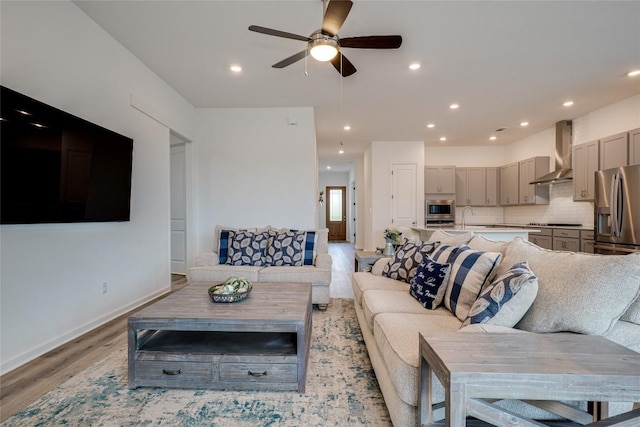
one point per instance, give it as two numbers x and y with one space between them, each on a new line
215 360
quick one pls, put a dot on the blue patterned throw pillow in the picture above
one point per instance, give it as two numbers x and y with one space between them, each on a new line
246 248
286 248
429 283
407 259
506 300
470 271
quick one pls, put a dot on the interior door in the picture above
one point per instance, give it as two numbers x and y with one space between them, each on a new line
178 210
404 197
337 212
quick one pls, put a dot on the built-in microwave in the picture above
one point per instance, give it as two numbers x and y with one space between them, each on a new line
440 210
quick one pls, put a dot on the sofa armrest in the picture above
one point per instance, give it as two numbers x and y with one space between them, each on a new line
324 261
207 259
377 268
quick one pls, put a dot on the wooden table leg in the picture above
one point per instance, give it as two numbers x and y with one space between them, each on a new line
455 405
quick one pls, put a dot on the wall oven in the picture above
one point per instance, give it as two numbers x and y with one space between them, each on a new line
439 212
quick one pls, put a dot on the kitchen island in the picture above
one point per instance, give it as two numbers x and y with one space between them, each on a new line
502 234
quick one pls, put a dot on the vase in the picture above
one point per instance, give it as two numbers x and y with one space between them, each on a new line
389 250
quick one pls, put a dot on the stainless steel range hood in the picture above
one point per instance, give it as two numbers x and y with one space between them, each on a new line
563 171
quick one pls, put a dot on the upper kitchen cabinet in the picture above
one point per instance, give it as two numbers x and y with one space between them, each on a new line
509 184
491 187
470 186
585 164
439 179
634 147
530 170
614 151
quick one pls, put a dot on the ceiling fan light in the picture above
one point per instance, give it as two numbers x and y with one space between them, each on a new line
323 52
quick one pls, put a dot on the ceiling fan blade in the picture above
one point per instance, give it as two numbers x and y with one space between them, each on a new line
372 42
335 16
277 33
290 60
346 68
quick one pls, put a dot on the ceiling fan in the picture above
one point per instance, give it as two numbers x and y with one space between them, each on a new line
325 45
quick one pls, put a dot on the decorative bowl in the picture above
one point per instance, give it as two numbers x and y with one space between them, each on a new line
232 297
234 289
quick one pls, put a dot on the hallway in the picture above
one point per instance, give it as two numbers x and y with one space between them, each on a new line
343 255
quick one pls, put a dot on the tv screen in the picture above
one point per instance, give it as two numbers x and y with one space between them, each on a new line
59 168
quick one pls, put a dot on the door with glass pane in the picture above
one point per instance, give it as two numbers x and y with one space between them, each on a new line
337 212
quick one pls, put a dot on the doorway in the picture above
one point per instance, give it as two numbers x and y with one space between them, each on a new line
337 212
178 206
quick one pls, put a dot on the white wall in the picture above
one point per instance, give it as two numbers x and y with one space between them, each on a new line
51 275
610 120
383 155
254 169
359 174
464 156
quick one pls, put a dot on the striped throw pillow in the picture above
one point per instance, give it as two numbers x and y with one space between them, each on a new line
470 271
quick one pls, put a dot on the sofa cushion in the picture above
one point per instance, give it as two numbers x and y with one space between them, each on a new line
481 243
470 271
505 300
626 334
285 248
396 335
429 283
221 272
246 248
445 238
406 260
633 312
362 282
376 302
301 274
577 292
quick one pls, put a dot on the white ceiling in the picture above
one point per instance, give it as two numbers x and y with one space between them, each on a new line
504 62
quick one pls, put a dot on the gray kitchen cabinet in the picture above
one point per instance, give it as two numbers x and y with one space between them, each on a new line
586 241
544 238
634 147
614 151
470 186
585 164
566 239
439 179
530 169
509 184
491 187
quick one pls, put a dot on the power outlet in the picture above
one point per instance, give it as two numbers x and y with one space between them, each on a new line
104 287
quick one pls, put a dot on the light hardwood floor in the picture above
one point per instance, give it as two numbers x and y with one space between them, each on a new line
29 382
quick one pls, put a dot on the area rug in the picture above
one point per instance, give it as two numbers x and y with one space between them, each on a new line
341 390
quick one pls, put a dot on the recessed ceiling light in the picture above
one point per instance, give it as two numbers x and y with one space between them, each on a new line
38 125
340 151
235 68
443 138
493 137
567 103
23 112
523 124
431 125
633 73
454 106
328 167
414 66
347 127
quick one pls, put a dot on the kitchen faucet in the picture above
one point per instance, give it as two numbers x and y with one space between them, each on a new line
464 211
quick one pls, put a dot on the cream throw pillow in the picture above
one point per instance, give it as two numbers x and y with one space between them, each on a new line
577 292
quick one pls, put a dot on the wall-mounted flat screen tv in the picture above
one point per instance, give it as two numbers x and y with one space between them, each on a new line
59 168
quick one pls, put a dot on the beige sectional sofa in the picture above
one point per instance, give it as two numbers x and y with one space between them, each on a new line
210 267
577 293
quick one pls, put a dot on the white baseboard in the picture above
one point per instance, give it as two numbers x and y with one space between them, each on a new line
35 352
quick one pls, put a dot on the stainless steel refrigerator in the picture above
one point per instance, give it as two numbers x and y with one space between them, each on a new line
617 210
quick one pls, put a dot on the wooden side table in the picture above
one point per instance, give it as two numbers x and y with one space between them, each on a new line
537 368
365 259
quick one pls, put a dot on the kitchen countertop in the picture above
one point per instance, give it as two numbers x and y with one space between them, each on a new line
485 229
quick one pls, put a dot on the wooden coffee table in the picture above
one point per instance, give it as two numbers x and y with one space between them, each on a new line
187 341
476 369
